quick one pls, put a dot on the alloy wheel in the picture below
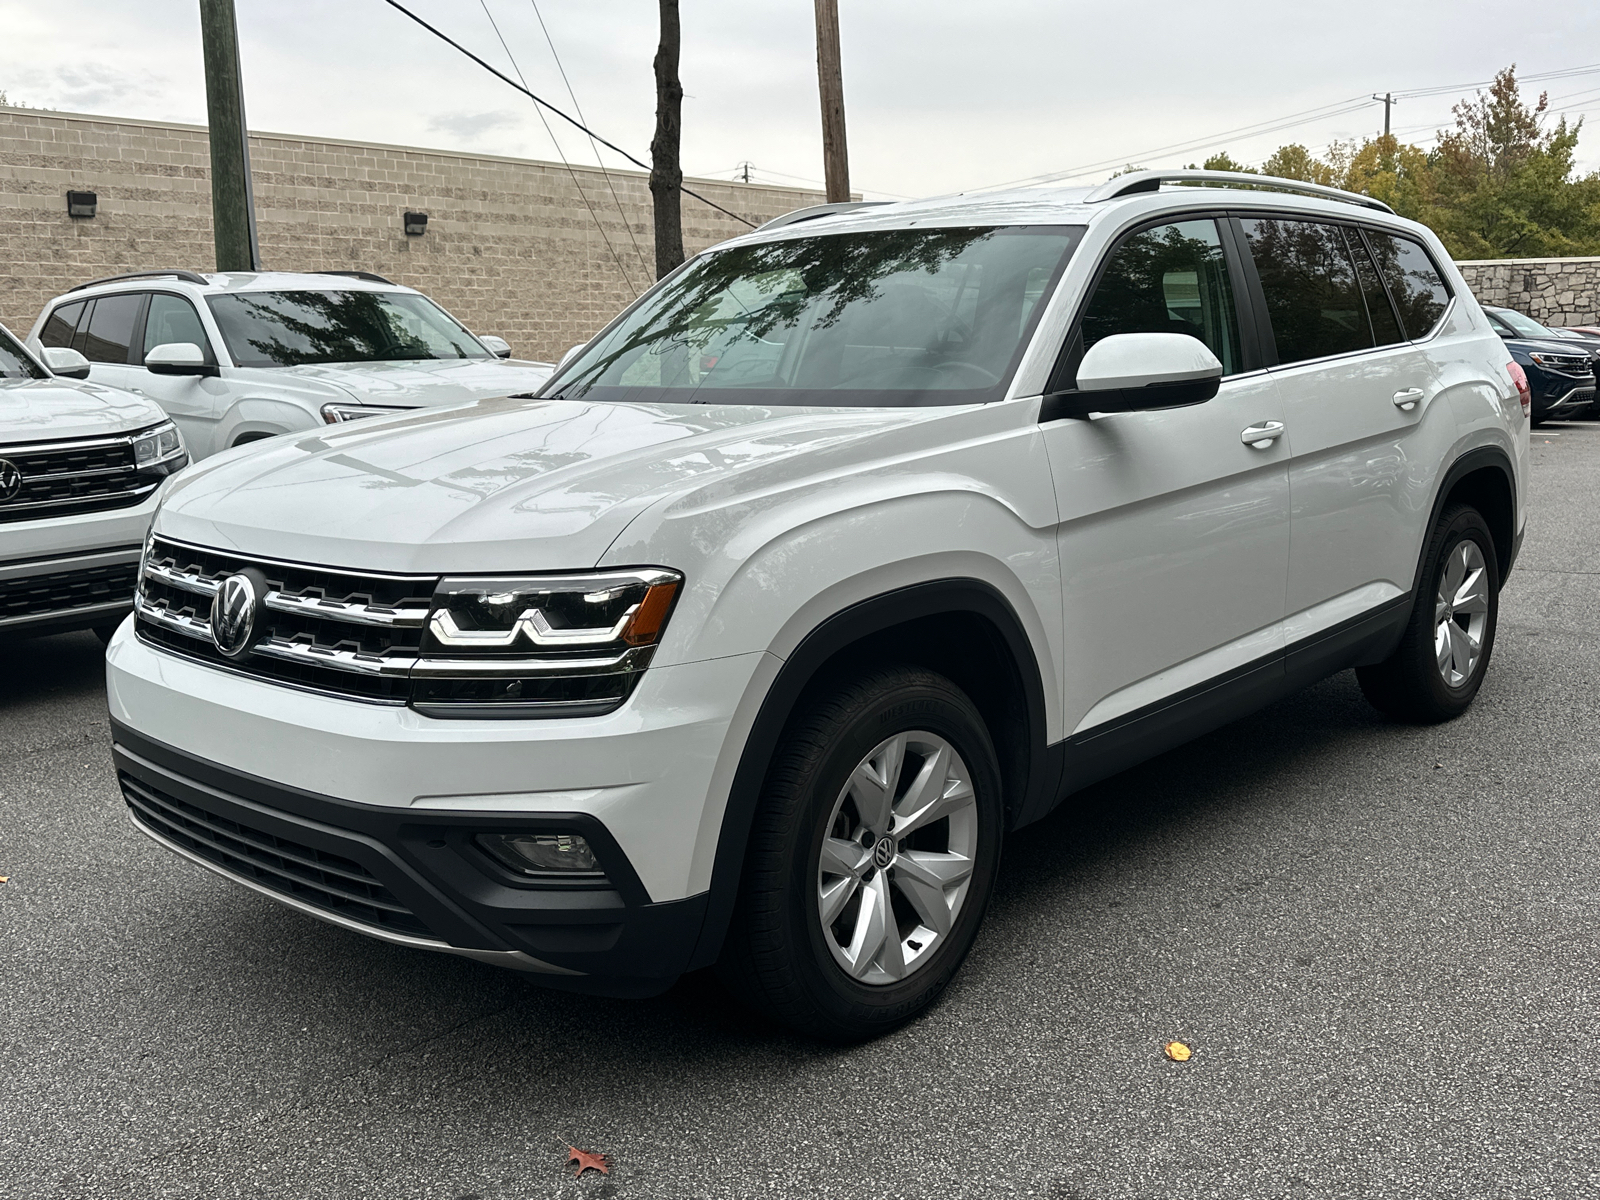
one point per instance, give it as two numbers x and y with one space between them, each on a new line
897 857
1461 613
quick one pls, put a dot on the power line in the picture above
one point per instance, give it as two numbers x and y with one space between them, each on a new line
577 108
504 78
561 154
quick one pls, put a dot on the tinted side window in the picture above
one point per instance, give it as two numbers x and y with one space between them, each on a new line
173 319
1418 288
1385 327
1310 287
111 328
60 325
1170 279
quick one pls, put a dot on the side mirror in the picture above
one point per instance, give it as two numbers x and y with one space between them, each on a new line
63 361
496 346
570 354
1130 372
178 358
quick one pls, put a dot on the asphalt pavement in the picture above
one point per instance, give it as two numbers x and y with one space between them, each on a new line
1379 940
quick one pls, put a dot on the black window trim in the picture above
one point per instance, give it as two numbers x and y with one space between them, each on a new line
137 359
1063 375
1258 298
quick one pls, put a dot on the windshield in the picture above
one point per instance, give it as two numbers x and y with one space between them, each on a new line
1526 326
288 329
14 363
888 318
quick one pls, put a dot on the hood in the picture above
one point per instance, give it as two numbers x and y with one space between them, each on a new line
420 383
1554 346
48 410
500 485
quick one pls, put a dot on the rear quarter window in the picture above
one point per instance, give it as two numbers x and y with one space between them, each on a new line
1416 283
61 325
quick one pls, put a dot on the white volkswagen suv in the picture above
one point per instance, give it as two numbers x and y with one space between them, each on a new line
237 357
850 549
81 469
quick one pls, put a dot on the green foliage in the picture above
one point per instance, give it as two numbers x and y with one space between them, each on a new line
1501 183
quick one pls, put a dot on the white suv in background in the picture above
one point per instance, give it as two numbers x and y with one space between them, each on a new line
241 356
845 553
81 467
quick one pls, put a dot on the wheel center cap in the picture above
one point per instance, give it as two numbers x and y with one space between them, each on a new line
883 853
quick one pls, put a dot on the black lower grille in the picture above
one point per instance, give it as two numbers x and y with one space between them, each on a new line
65 591
326 881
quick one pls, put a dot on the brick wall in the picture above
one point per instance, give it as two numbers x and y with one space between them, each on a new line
1555 291
511 247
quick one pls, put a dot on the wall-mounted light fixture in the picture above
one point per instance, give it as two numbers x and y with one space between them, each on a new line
416 224
81 204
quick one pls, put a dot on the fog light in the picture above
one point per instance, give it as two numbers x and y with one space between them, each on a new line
565 855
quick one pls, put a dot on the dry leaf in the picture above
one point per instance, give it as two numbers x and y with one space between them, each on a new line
586 1161
5 879
1178 1052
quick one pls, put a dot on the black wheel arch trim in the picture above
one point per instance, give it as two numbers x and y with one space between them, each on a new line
1469 462
953 596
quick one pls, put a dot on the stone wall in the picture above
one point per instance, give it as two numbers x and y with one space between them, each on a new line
512 246
1555 291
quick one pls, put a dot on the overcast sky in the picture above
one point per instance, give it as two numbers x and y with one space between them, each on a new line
939 96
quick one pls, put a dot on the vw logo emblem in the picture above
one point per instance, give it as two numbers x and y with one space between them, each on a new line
883 853
233 612
10 479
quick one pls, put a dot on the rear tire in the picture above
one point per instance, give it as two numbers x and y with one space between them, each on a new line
1439 665
843 930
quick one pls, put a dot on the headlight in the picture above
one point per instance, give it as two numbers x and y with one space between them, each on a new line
550 645
160 450
334 414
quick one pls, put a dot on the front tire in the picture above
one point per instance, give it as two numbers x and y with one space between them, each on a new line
871 858
1439 665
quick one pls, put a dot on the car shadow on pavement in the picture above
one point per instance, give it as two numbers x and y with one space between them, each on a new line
63 666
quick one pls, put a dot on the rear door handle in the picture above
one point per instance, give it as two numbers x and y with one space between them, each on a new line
1259 437
1408 398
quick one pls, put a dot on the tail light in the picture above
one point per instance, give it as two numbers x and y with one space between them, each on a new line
1524 392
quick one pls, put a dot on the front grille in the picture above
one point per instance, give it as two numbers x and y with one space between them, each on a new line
329 642
59 479
330 882
66 591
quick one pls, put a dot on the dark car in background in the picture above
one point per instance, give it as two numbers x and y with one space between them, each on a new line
1560 364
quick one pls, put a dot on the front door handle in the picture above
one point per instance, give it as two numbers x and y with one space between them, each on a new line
1259 437
1408 398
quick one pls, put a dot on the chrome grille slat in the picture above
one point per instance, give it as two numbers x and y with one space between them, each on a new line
355 614
82 475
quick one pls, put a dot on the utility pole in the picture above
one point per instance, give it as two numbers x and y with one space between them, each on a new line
1388 103
830 80
233 205
666 171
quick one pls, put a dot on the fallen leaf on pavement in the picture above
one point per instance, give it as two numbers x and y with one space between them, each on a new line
1178 1052
587 1161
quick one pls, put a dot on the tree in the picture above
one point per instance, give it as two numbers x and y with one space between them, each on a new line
666 170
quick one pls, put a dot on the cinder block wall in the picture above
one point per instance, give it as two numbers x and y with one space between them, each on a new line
1556 291
511 247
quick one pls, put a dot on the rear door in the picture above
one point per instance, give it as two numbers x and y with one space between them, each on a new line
1361 402
1174 533
105 337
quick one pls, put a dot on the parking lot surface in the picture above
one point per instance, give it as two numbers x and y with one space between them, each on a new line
1379 940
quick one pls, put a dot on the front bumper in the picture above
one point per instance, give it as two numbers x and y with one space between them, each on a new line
1564 400
239 773
62 573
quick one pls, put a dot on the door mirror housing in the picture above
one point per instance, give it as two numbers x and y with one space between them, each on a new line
65 362
570 354
496 346
1133 372
178 358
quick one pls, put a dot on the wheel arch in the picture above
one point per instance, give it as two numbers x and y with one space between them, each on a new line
963 628
1485 478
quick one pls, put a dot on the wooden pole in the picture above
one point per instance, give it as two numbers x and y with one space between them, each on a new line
233 207
830 80
666 170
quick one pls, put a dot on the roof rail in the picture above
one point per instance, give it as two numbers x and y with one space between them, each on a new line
1151 181
367 275
175 272
818 210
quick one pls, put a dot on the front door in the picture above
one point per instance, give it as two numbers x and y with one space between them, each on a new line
196 402
1174 525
